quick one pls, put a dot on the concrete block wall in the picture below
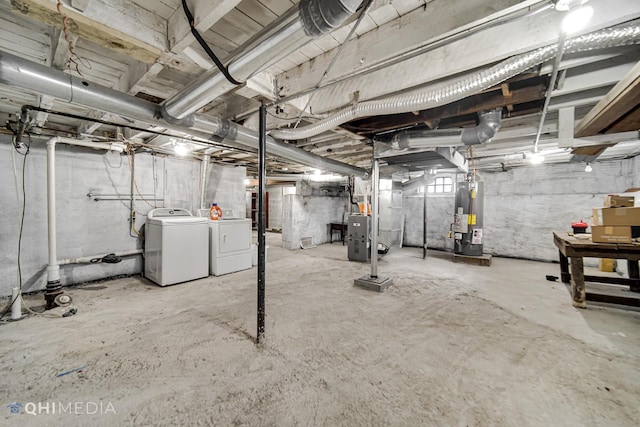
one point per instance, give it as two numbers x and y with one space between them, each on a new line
86 227
524 205
440 210
275 207
309 216
225 186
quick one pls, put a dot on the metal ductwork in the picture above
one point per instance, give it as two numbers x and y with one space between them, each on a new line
466 86
299 26
31 76
488 125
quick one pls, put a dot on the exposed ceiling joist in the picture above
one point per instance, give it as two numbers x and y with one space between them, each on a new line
618 111
137 33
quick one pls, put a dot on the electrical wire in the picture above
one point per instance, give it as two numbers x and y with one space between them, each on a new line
22 212
65 29
365 10
130 153
223 69
104 122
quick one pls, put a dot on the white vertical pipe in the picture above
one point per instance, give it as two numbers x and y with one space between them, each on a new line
375 180
203 179
53 268
16 304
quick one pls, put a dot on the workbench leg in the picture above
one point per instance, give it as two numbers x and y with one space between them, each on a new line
578 292
564 268
634 273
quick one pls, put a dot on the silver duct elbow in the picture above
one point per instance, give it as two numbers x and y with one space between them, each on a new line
320 17
488 125
286 35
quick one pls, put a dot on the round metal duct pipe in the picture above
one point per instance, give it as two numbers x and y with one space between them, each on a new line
25 74
296 28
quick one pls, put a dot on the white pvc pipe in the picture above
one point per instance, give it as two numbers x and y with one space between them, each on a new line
53 267
87 259
16 304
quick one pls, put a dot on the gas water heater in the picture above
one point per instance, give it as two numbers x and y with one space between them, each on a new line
468 219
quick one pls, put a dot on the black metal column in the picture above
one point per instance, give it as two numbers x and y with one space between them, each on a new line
262 219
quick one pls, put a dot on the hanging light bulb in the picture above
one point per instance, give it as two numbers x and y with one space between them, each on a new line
588 168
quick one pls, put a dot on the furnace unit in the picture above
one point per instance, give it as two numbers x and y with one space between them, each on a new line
358 229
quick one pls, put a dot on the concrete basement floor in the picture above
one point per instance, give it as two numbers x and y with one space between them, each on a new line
447 344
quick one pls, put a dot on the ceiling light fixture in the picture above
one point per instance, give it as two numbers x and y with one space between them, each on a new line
577 19
318 172
588 168
180 149
535 158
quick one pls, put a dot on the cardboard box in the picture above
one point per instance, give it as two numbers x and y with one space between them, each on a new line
619 201
616 216
610 234
608 265
635 193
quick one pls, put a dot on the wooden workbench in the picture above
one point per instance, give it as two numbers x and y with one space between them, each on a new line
576 249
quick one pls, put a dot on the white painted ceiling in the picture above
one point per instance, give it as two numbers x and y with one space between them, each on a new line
401 46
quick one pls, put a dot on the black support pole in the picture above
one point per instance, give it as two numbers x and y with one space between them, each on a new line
262 219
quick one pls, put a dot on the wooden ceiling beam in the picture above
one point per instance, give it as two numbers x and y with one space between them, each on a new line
468 105
123 35
616 112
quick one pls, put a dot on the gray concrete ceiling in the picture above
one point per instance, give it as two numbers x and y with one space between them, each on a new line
145 48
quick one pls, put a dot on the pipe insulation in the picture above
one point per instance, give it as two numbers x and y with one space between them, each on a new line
34 77
466 86
293 30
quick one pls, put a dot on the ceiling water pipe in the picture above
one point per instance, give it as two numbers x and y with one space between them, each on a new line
463 87
54 288
488 124
31 76
299 26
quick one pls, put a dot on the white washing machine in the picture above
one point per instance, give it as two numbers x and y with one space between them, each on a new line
230 241
176 247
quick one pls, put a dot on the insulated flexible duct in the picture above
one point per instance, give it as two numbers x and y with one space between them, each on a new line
467 86
31 76
299 26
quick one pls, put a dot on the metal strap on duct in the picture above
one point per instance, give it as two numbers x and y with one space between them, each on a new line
22 73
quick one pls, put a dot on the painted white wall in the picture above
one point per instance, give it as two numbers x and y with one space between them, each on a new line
309 216
440 210
225 186
86 227
275 206
524 205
